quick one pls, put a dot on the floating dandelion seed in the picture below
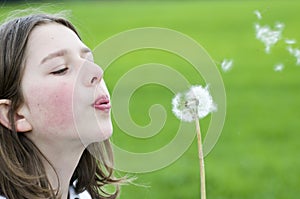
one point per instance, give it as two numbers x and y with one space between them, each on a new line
258 14
278 67
190 106
295 52
290 49
268 36
290 41
279 25
226 64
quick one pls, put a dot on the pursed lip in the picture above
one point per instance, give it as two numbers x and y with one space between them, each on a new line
102 103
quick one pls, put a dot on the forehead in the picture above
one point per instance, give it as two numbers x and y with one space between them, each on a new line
46 38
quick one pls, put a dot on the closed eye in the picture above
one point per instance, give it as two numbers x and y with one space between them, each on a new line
60 71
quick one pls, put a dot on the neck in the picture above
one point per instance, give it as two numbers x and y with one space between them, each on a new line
64 161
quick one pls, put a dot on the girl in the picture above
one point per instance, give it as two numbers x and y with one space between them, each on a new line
54 113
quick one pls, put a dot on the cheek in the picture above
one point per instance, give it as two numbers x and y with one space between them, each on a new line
51 107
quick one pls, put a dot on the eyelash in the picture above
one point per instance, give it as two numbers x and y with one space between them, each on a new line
64 70
60 71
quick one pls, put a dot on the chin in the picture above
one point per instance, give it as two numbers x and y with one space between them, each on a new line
106 132
96 135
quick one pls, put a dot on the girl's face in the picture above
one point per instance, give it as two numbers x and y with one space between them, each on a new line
65 96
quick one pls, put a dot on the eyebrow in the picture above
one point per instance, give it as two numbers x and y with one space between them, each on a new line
62 53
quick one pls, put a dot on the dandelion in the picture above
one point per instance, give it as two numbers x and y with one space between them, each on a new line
258 14
278 67
226 64
191 106
194 104
181 108
269 36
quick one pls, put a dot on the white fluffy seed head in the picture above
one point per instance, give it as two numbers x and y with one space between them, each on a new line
194 104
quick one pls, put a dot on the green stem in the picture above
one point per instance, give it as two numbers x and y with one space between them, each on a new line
201 159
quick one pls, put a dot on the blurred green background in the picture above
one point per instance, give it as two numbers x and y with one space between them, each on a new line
257 154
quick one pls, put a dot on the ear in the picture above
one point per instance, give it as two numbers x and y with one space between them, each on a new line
4 108
21 124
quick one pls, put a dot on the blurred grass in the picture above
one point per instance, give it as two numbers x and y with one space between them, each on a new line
257 154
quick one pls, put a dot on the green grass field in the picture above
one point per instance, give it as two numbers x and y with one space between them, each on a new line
257 154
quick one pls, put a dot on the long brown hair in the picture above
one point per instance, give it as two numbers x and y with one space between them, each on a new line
22 174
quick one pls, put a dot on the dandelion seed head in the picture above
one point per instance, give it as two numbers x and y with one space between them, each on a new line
278 67
193 104
226 64
180 109
202 99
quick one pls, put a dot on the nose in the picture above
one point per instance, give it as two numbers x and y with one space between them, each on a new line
92 73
